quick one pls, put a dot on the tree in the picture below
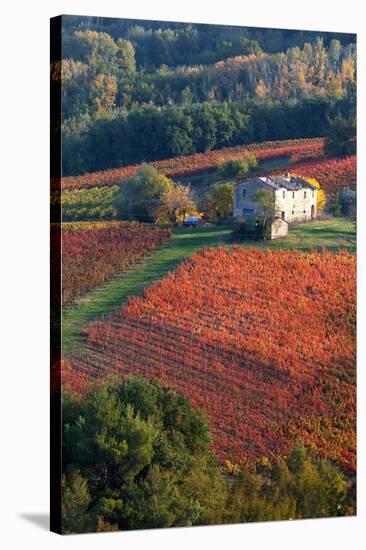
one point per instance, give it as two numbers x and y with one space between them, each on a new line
219 202
97 49
139 197
265 200
75 502
175 205
236 167
136 456
345 203
341 136
334 53
336 206
126 56
301 486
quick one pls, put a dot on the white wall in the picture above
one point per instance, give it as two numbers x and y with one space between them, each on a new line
295 205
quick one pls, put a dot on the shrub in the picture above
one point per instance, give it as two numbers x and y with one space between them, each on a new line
236 167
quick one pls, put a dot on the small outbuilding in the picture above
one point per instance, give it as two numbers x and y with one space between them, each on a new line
278 228
255 229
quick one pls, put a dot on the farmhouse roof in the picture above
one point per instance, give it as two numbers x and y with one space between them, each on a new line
292 183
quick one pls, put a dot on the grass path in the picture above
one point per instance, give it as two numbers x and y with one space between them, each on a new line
332 234
167 257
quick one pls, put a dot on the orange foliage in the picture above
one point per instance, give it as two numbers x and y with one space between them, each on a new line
262 341
93 252
333 174
201 162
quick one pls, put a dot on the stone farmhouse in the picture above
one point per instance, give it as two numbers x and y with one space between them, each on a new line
294 198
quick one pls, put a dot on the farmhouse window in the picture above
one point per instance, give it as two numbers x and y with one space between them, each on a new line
313 193
293 194
244 194
304 211
248 211
293 212
304 194
284 194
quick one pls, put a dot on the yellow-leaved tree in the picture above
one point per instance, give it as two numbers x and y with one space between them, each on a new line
175 205
320 196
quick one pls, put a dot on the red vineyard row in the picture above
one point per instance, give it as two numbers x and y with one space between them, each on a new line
332 174
93 252
262 341
184 165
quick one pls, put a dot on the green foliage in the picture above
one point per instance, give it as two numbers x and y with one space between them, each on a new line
219 202
88 204
99 51
142 453
302 486
346 202
148 132
139 197
140 92
136 455
252 228
336 207
75 502
265 200
341 137
236 167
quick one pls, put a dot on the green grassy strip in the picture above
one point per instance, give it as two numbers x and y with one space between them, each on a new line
333 234
166 258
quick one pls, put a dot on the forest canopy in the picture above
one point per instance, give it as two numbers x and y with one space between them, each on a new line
141 91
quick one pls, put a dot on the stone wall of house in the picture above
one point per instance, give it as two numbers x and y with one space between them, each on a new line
296 205
279 229
289 205
244 197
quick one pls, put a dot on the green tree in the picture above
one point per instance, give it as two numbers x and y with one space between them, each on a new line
219 202
75 503
97 49
139 197
236 167
302 486
265 200
126 56
334 53
341 136
137 456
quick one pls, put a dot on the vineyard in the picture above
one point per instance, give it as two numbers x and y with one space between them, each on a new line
295 150
90 196
262 341
93 252
93 203
332 174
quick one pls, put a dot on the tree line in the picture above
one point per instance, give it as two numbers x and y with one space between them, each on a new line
152 133
101 75
134 92
175 43
137 455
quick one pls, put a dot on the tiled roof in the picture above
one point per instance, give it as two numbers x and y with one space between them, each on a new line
278 182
